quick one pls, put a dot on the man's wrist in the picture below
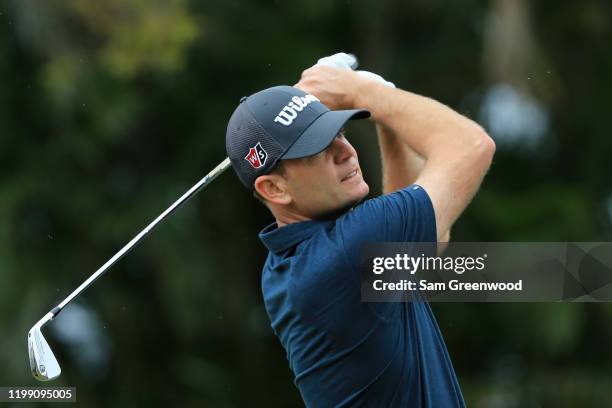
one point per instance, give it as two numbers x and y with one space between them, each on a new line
364 95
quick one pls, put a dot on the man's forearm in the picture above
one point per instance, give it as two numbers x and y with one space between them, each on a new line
401 165
426 125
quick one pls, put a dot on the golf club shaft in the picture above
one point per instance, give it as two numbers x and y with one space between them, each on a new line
190 193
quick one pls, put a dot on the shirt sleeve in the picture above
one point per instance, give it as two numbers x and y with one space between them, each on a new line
406 215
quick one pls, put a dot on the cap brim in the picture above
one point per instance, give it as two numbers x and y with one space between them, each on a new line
322 132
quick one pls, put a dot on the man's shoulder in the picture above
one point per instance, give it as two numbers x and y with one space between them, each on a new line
409 195
405 215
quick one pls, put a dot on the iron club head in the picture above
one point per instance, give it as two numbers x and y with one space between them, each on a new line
43 363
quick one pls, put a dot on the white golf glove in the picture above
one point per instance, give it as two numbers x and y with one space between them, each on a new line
339 60
343 60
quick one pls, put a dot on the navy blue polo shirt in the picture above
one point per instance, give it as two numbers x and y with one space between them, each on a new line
342 351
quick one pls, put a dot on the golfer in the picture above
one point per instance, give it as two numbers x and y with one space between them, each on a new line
288 145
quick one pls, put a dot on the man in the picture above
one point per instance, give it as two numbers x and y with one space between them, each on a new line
291 151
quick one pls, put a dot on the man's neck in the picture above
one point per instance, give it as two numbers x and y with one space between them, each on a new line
281 221
284 217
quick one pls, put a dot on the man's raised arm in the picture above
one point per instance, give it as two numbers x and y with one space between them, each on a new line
457 151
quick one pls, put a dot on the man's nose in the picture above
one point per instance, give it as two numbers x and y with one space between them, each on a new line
342 150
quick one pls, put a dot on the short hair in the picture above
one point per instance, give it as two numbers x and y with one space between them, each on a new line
279 169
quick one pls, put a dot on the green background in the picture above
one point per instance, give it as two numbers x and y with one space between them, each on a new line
110 110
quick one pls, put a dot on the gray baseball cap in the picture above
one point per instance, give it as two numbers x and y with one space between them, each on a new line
278 123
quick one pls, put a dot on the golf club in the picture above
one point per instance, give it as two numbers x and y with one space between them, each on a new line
43 363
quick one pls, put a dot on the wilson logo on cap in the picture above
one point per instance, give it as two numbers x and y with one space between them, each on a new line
257 156
291 110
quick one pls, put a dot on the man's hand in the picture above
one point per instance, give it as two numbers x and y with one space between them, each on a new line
335 87
331 86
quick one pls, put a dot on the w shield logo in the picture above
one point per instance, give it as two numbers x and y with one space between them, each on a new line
257 156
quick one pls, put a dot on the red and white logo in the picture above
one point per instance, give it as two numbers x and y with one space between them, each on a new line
257 156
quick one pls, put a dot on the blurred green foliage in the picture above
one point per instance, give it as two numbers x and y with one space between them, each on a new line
112 109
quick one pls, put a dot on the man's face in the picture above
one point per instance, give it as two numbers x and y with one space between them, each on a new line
326 183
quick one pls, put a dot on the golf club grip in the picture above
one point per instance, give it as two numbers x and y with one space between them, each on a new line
224 165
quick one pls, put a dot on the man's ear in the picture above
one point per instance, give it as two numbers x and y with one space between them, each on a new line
273 188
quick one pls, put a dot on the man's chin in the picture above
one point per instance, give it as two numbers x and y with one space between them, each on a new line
350 203
365 190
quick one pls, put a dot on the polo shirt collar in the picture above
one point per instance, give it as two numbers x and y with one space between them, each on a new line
280 239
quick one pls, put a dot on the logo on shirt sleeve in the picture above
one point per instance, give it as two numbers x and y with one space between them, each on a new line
257 156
